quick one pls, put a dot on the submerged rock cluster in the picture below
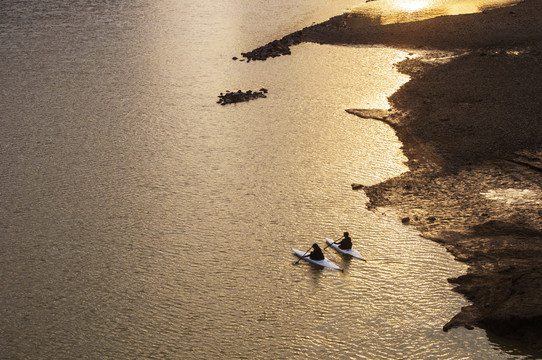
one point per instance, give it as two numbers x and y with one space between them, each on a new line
240 96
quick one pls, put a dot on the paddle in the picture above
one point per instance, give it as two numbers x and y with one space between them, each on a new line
333 242
306 252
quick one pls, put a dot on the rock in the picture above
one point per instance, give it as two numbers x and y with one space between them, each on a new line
378 114
240 96
356 186
275 48
405 220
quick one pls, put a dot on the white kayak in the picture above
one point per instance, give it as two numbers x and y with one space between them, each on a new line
324 263
351 252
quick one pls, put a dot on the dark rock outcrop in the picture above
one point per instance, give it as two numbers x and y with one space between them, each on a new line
240 96
274 48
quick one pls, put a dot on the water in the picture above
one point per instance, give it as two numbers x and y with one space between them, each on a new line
139 219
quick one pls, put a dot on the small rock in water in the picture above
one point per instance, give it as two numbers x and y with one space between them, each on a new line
240 96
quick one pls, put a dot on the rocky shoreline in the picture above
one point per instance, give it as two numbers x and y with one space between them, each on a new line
470 120
470 130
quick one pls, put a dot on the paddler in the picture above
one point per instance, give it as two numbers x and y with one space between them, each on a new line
346 243
316 253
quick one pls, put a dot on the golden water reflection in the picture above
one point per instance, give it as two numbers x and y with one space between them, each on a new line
396 11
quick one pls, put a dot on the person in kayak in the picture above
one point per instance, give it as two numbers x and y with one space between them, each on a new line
316 253
346 243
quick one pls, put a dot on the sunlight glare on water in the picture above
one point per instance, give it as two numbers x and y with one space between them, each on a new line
394 11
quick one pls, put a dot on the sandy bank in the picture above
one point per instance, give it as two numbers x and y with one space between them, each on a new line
471 127
509 26
471 130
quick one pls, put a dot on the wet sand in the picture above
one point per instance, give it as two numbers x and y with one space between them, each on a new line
470 121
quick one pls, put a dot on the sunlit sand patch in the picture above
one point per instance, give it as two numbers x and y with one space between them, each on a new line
514 196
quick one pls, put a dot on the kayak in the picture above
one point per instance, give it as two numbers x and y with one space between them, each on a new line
351 252
323 263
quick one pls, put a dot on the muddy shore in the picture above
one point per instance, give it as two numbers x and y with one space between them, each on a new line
470 121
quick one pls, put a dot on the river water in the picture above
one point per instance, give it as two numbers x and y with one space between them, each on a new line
139 219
